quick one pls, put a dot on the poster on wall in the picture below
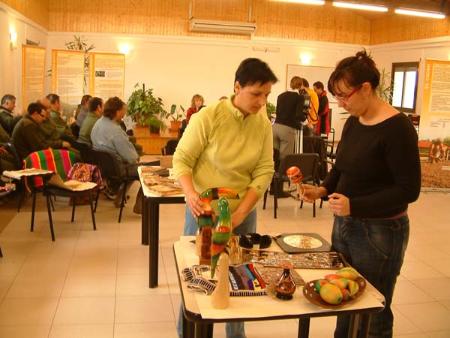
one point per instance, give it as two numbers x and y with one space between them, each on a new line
434 130
68 75
33 74
107 75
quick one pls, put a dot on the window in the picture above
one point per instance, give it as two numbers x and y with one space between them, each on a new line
404 89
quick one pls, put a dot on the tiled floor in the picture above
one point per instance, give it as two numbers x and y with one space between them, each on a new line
95 284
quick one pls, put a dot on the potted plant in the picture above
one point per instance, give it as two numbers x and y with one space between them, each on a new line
175 117
271 110
145 109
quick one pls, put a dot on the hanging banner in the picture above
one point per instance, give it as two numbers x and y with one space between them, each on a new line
33 74
68 75
434 130
107 75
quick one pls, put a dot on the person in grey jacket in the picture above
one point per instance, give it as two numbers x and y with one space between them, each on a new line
107 135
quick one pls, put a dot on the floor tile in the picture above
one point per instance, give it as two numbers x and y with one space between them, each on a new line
427 316
91 284
144 309
146 330
27 311
24 331
85 310
82 331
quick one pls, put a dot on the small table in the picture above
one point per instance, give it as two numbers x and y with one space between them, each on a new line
259 308
150 225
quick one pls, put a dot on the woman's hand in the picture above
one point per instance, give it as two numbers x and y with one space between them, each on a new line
312 192
339 204
194 203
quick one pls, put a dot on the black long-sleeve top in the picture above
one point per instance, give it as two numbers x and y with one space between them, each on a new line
377 167
290 109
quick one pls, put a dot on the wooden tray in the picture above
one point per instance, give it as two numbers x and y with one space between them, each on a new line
310 294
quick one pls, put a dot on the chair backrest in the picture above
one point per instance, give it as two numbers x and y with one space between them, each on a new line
317 145
59 161
307 163
109 165
170 147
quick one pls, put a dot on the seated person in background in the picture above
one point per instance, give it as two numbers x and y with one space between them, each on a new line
80 114
132 139
196 104
48 128
323 123
55 116
95 112
314 107
7 118
27 137
7 160
107 135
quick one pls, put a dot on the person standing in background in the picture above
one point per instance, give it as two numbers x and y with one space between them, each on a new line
323 124
375 176
313 108
197 102
289 118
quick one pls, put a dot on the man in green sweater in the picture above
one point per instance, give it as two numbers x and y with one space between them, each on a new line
27 137
95 112
7 118
55 116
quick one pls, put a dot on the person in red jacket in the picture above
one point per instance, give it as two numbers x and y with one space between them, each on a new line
196 104
323 124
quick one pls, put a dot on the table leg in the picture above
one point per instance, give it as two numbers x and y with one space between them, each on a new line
365 324
188 328
353 326
145 220
204 330
303 327
153 243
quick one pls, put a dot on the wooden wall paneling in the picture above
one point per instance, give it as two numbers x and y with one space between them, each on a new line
36 10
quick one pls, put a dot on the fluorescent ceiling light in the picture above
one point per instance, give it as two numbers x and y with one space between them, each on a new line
364 7
304 2
424 14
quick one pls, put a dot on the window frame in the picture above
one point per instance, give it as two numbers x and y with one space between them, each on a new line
405 66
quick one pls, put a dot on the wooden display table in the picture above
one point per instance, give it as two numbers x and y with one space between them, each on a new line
152 143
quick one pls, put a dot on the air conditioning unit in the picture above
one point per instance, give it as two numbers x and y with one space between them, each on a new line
224 27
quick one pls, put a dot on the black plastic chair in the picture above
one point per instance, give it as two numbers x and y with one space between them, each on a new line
111 169
170 147
308 164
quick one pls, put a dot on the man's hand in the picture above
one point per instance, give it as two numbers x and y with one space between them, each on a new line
194 203
339 204
66 144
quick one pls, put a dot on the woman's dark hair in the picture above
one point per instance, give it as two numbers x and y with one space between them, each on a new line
85 99
112 106
318 85
252 71
354 71
94 103
53 98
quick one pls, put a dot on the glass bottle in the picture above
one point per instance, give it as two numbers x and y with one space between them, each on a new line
285 286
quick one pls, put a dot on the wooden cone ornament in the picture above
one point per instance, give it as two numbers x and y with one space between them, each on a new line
220 298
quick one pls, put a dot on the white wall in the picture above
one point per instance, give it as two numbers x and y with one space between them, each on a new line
11 58
179 67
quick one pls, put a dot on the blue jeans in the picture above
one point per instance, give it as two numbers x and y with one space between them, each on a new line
374 247
232 329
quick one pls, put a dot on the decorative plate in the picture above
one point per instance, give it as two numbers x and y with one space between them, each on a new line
302 242
310 294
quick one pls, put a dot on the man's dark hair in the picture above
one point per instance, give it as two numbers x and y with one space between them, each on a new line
35 107
94 103
8 97
305 83
252 71
319 85
53 98
112 106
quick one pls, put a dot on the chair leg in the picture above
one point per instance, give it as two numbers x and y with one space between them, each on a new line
91 204
301 204
314 209
122 202
50 219
321 203
1 253
96 200
21 195
73 210
275 199
52 205
33 208
265 199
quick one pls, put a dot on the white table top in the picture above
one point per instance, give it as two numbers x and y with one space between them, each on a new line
18 174
147 192
263 306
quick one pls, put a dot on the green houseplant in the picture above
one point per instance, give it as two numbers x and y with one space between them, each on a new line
271 110
175 116
145 109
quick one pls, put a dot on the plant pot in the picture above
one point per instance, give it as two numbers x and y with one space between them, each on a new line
175 125
154 129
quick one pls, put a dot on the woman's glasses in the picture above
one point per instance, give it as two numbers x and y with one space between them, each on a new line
345 98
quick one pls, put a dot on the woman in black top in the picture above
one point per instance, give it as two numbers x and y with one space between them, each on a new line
376 175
